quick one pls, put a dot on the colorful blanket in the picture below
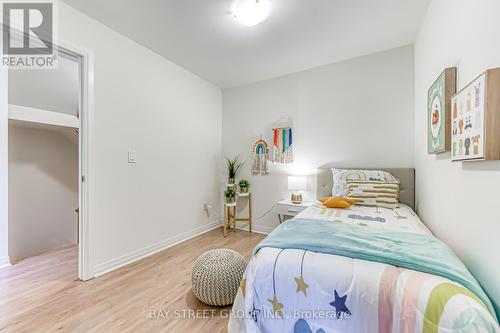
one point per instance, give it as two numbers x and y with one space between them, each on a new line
358 270
422 253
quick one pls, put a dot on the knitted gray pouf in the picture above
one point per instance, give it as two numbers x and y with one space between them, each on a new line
216 276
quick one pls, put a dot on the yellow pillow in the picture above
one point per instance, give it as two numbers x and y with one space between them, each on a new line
338 202
351 201
324 199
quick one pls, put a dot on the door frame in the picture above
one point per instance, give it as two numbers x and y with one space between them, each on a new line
86 116
85 151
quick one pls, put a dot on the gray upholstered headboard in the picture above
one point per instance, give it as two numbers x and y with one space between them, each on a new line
405 175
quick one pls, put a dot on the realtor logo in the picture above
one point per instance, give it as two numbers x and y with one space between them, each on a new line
28 34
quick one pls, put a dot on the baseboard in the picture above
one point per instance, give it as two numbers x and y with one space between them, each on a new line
260 229
4 262
131 257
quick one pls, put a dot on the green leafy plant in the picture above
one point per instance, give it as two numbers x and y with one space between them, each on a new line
244 183
229 193
233 165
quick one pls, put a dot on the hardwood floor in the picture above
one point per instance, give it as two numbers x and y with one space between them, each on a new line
43 294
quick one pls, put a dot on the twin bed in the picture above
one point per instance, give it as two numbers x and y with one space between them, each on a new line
360 269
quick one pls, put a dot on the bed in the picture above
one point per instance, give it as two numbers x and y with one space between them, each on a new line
361 269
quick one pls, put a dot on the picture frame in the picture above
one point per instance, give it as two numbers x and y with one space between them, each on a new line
476 119
439 111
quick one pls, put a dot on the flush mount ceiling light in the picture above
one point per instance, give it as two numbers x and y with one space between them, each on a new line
251 12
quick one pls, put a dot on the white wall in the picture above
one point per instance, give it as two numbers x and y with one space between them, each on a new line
357 112
4 173
43 189
459 201
30 87
171 118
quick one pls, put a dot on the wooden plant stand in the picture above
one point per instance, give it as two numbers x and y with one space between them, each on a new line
231 217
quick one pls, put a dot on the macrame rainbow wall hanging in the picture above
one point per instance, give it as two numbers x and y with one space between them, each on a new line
260 152
283 147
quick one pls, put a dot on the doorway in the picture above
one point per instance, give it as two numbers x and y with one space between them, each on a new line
43 144
71 126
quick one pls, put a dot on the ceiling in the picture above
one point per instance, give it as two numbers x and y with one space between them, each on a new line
202 36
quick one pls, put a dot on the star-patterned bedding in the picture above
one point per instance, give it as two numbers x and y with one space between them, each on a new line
298 290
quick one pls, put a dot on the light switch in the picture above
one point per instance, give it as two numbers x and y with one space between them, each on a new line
131 156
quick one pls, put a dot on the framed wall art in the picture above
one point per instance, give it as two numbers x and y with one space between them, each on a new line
438 111
476 119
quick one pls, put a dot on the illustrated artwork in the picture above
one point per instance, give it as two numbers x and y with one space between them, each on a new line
468 110
438 106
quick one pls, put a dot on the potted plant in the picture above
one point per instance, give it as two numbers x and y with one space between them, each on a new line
244 185
233 165
230 195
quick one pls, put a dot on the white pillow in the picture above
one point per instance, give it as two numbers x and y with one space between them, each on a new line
340 177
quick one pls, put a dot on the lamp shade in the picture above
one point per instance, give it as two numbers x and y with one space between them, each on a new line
297 183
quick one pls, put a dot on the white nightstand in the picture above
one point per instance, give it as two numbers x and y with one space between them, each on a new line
287 208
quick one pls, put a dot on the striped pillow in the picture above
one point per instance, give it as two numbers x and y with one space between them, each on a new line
381 193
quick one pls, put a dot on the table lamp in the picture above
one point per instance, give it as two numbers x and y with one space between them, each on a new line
296 184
